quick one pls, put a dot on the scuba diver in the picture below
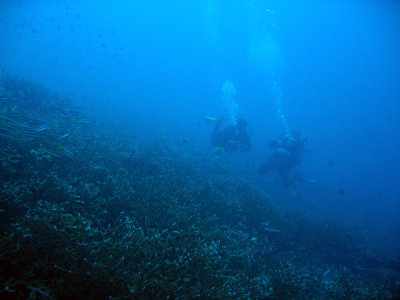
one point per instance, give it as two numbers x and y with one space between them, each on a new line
232 137
285 155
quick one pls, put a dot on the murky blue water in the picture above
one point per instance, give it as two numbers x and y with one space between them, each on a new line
158 68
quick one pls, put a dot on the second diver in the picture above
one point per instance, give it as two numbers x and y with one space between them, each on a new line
232 137
285 155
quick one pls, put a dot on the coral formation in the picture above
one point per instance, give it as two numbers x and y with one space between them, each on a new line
85 213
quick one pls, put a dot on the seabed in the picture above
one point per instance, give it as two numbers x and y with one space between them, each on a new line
88 213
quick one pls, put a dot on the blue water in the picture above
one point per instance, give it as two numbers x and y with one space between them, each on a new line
330 69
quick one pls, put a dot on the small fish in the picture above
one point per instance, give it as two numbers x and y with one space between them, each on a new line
67 153
41 128
83 137
13 114
23 139
84 122
267 227
210 119
270 229
63 136
236 232
23 126
218 150
341 192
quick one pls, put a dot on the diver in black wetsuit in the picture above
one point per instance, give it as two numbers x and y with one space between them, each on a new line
232 137
285 155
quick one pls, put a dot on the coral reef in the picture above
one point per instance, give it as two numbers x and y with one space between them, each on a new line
86 213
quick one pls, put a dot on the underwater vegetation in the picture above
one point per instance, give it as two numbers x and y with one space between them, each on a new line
86 213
